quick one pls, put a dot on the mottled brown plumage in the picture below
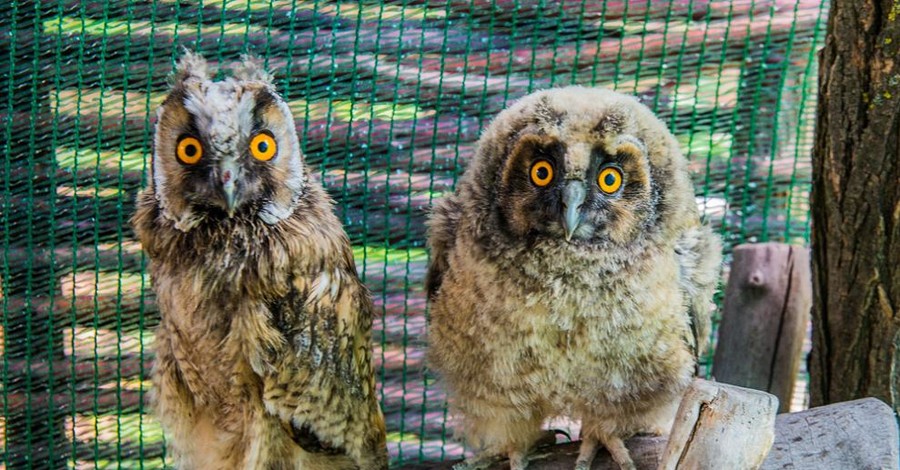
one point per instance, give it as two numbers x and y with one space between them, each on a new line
263 356
570 276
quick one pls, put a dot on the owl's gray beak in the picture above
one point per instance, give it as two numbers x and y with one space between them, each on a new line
230 198
573 199
229 188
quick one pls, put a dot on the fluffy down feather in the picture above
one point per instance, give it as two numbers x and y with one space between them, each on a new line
263 356
560 293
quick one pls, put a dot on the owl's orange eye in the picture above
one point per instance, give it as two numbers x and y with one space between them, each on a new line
541 173
609 180
189 150
263 146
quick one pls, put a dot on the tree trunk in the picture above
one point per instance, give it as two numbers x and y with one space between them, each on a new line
856 207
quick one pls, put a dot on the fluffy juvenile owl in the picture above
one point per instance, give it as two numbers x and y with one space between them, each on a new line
570 275
263 356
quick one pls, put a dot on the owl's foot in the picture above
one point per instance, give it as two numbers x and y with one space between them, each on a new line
518 460
478 462
586 453
614 445
619 452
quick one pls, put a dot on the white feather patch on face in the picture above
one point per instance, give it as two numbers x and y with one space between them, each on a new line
159 176
225 113
274 211
187 220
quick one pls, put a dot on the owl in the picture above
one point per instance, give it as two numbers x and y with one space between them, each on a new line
570 276
263 355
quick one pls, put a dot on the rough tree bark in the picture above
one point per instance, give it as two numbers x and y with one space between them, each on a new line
856 207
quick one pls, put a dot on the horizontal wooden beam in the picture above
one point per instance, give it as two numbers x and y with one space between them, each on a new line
96 402
711 37
502 11
855 434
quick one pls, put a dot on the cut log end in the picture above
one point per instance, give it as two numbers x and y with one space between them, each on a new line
721 426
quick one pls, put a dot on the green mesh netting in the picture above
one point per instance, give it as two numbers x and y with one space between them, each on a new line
389 99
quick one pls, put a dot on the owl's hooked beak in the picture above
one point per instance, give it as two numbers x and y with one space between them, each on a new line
573 199
229 187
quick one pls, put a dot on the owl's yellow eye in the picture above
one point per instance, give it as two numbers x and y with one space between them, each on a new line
263 146
609 180
189 150
541 173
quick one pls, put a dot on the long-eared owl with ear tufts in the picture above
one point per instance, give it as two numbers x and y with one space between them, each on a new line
263 354
570 275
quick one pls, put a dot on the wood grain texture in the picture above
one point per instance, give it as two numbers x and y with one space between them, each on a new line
856 207
645 451
721 426
766 310
860 434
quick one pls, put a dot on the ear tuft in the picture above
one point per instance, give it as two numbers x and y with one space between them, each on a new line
191 65
251 68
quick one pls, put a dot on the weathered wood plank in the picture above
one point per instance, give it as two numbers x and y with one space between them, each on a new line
506 10
318 135
858 434
765 314
855 434
721 426
645 451
94 401
711 37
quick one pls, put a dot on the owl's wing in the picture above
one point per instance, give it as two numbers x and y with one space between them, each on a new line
441 238
318 379
700 257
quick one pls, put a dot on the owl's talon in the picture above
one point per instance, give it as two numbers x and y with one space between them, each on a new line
586 453
619 453
518 461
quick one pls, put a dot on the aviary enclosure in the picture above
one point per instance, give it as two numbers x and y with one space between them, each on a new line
390 98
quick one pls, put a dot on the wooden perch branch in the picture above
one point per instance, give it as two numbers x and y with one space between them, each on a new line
855 434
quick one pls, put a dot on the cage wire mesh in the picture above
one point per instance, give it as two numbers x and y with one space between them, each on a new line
389 99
